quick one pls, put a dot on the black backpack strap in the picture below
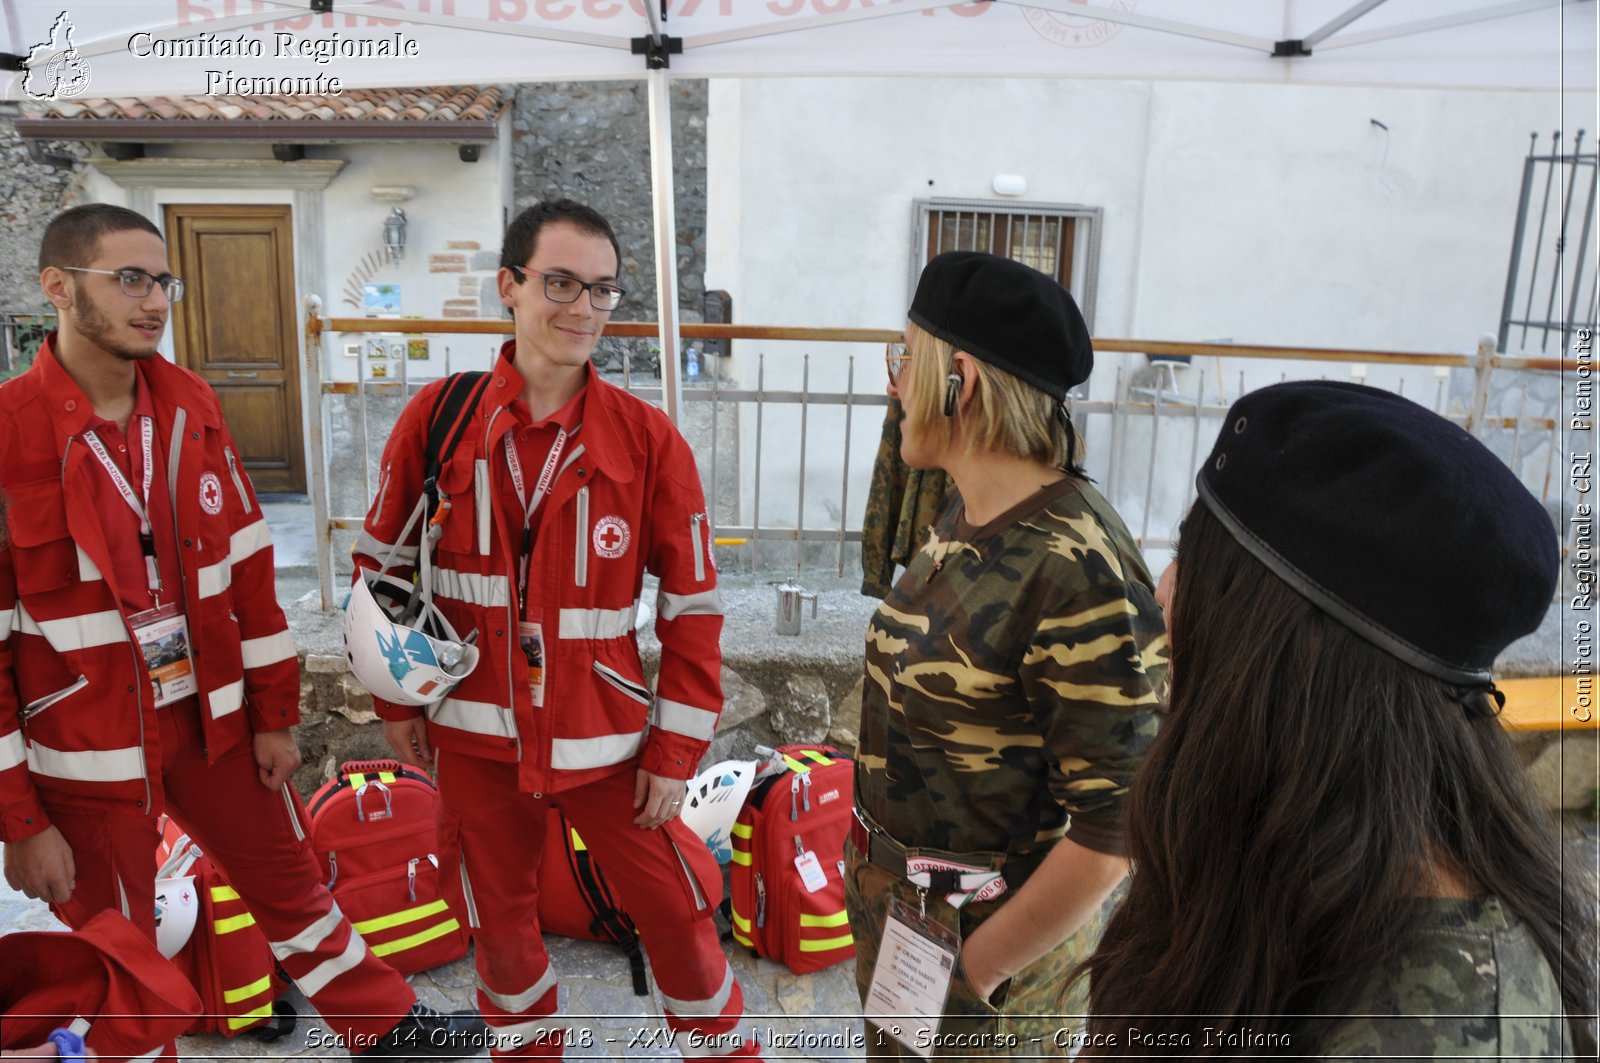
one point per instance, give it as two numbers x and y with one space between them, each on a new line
452 412
605 917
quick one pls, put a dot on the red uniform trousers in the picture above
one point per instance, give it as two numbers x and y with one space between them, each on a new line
259 839
498 832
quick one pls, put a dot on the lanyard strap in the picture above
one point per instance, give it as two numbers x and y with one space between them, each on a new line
139 504
530 505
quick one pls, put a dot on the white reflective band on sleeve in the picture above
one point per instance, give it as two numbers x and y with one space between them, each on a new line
87 765
520 1002
709 1008
598 623
477 717
488 591
214 579
519 1035
268 649
226 699
309 938
75 632
12 751
672 606
88 571
575 754
482 499
317 979
7 618
249 540
369 545
686 720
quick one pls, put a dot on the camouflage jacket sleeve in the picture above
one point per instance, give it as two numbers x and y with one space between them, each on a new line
1094 675
1470 981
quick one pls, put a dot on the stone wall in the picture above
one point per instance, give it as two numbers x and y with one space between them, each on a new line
32 191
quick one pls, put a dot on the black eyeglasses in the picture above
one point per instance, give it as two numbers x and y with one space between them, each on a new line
895 357
136 283
559 288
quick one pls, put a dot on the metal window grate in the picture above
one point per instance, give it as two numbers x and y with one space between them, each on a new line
1060 240
1550 283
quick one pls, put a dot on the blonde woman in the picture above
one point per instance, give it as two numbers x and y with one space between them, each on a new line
1012 684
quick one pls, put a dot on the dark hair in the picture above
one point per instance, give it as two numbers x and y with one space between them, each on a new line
73 237
523 232
1295 801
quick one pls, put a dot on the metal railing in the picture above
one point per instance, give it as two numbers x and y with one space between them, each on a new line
1145 439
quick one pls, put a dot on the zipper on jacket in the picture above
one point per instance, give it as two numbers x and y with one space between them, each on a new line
580 574
34 708
238 481
695 520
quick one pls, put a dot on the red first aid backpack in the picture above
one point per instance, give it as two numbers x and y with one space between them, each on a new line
374 832
787 873
227 958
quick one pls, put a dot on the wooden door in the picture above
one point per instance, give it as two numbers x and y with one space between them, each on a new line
236 328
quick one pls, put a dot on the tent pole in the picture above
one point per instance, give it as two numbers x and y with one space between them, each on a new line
666 230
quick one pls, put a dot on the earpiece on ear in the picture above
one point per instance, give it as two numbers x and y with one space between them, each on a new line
952 393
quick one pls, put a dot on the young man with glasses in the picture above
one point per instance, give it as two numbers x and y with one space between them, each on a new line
561 493
144 662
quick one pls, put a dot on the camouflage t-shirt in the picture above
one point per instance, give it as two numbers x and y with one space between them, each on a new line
1014 676
1471 981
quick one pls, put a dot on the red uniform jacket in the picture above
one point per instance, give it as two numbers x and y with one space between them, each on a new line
627 498
77 712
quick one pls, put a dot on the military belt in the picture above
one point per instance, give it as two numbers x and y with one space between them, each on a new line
879 848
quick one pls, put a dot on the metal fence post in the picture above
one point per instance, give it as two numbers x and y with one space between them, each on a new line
317 455
1481 373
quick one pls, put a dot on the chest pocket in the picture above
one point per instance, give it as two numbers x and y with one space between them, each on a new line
459 482
46 558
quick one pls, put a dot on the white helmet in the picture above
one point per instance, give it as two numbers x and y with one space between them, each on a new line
400 646
714 799
177 911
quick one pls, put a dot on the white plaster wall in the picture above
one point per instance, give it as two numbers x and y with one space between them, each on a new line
1263 214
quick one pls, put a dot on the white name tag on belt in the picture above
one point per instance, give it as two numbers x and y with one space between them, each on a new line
163 637
911 978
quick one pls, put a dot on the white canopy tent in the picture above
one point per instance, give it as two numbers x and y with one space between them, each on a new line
112 48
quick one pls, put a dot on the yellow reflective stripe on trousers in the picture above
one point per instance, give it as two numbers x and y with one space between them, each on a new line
261 985
824 944
263 1012
388 948
409 915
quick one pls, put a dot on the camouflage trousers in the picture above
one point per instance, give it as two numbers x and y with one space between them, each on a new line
1029 1017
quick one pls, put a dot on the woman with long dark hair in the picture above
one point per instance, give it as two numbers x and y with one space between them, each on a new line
1336 850
1013 679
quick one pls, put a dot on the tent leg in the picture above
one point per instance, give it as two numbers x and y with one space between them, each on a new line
666 230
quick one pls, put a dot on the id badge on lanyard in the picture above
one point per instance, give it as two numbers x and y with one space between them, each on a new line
911 979
162 632
530 630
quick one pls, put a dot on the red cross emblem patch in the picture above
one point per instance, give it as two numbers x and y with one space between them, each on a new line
211 493
611 537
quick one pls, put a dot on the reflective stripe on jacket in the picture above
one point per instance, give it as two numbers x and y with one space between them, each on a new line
77 714
627 498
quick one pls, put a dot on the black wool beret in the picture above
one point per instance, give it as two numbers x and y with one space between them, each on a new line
1393 520
1007 314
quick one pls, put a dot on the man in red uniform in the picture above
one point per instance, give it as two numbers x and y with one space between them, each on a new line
562 491
144 661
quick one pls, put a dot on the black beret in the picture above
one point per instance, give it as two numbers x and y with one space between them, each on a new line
1392 519
1007 314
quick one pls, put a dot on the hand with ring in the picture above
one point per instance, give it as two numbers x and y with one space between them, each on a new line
657 799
